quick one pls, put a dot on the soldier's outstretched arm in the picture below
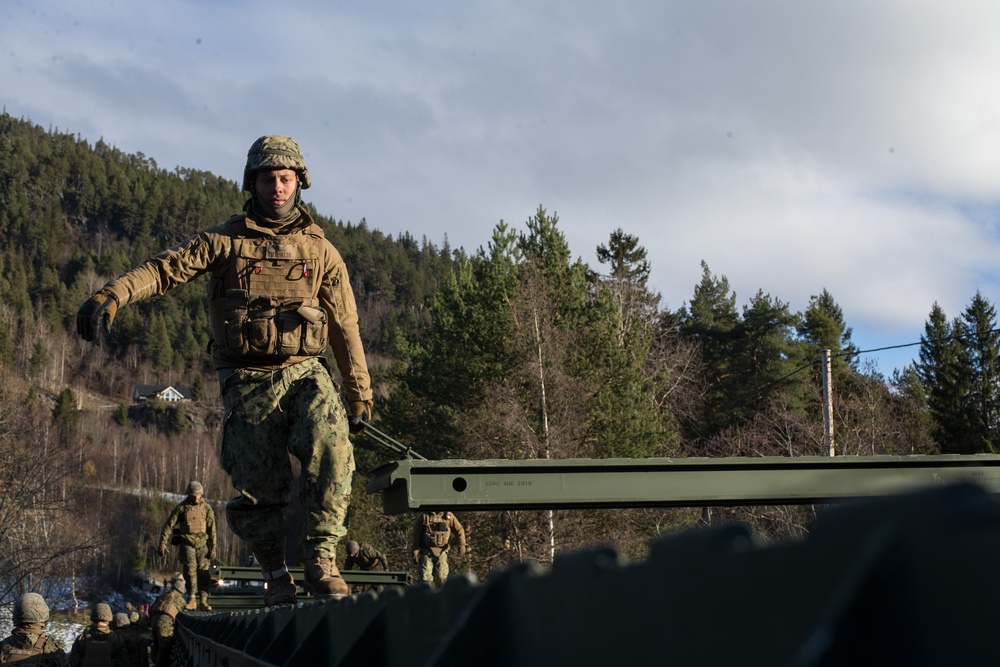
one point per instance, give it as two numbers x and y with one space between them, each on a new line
158 274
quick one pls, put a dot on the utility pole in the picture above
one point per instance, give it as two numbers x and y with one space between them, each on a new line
827 373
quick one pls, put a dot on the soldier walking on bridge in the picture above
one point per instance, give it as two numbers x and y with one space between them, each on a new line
29 642
191 527
431 541
279 295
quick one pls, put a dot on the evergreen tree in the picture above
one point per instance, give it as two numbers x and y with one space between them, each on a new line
65 413
943 370
823 328
981 343
712 321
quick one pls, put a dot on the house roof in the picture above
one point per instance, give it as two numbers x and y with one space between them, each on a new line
146 390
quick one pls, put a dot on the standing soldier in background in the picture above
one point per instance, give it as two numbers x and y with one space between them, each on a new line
191 526
366 558
97 646
279 293
431 540
162 616
29 643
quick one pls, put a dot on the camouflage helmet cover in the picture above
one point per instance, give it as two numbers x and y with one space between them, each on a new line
30 608
178 584
195 489
121 620
352 547
133 616
101 612
275 152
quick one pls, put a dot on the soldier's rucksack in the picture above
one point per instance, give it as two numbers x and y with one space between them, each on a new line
10 653
164 605
436 530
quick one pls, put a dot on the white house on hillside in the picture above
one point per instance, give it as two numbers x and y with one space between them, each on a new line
170 394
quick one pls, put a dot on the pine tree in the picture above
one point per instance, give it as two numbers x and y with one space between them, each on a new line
943 370
981 342
712 321
823 328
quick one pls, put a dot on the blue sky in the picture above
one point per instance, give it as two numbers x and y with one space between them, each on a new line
793 146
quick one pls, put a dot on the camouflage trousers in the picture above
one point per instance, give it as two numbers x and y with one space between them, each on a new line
163 639
433 569
268 415
194 566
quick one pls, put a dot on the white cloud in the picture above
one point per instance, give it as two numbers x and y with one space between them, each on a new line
794 146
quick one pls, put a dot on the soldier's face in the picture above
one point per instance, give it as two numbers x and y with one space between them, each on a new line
275 186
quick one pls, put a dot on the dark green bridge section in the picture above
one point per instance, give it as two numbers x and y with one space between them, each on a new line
908 579
244 585
409 485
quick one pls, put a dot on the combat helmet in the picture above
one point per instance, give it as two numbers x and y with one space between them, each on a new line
195 489
274 151
101 612
30 608
178 584
352 547
121 621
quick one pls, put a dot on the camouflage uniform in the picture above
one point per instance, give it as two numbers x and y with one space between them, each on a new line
29 644
196 540
367 558
279 293
431 540
97 646
163 614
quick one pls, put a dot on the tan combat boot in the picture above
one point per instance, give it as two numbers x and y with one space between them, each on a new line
192 602
323 578
279 586
203 602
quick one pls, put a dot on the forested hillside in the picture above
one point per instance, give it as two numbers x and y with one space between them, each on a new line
516 350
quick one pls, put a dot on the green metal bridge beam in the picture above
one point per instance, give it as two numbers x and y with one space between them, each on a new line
409 485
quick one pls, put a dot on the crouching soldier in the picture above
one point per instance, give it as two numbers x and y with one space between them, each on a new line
365 557
29 644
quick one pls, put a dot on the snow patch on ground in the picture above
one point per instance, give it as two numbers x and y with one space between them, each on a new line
67 619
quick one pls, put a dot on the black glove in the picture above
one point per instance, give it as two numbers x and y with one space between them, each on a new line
361 414
98 310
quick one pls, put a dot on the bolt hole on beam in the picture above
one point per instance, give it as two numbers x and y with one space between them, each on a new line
459 484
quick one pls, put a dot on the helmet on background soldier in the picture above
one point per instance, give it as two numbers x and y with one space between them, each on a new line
177 583
195 489
275 152
30 608
101 612
352 548
121 620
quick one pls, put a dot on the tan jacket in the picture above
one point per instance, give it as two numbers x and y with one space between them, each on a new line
212 251
441 524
